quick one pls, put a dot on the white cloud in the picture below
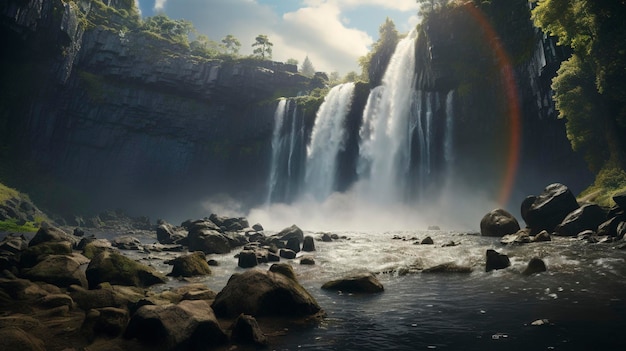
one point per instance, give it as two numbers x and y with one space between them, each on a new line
159 5
320 28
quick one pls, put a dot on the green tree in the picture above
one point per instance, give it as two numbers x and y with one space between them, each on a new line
373 64
263 47
307 68
427 6
292 61
174 30
203 46
596 33
231 44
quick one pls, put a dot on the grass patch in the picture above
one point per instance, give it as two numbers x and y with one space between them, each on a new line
7 193
11 225
609 181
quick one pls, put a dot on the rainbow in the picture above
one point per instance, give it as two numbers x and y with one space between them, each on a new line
513 108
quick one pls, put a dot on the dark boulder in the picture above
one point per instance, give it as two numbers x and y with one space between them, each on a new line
246 330
536 265
293 244
525 206
189 325
265 293
550 208
287 253
427 241
586 217
521 237
620 199
190 265
36 253
309 244
542 236
326 238
105 295
358 283
496 260
307 261
247 259
258 227
114 268
621 231
498 222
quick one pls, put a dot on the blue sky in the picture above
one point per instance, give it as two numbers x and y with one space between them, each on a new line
333 33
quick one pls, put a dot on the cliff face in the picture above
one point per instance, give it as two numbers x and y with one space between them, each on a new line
110 113
465 50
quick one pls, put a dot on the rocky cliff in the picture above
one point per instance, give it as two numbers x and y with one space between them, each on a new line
109 112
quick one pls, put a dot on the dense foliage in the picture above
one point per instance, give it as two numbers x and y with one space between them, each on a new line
373 64
589 88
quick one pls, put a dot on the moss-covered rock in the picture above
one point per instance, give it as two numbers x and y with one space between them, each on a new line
114 268
190 265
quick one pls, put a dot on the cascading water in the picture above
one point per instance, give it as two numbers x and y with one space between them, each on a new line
327 139
287 153
406 135
279 116
385 144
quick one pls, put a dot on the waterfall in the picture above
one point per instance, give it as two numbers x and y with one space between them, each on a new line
279 116
287 149
386 139
448 142
327 139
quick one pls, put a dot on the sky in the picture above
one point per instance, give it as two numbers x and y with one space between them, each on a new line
332 33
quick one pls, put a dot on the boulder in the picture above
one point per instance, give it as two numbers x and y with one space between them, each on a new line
189 325
496 260
95 246
525 206
536 265
284 269
258 227
107 321
105 295
550 208
14 338
13 243
58 270
620 199
246 330
229 223
55 300
36 253
290 232
114 268
542 236
287 253
498 222
189 265
326 238
358 283
247 259
308 244
208 241
586 217
449 267
167 234
307 261
621 231
427 241
293 244
609 228
126 242
521 237
265 293
49 233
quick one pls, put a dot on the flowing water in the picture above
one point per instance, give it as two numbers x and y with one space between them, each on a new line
581 297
